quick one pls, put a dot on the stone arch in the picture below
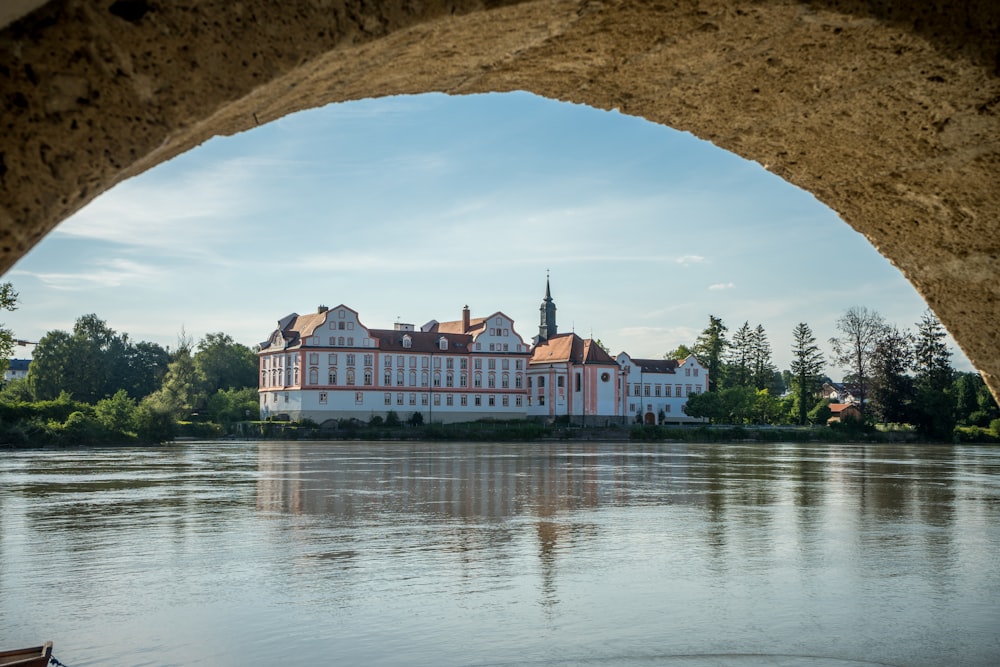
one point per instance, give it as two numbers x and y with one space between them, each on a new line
887 112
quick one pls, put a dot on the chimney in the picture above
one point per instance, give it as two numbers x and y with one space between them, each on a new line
322 309
465 319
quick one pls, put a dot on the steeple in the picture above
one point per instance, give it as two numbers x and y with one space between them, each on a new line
547 320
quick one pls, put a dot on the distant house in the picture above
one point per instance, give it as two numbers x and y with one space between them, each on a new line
17 370
837 392
843 412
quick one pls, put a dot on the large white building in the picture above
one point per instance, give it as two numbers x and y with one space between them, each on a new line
657 389
329 365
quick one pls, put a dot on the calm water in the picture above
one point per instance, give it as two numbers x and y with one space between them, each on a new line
497 554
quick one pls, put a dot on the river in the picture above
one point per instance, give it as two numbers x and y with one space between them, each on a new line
360 553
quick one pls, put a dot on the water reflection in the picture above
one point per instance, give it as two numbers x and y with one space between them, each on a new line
401 553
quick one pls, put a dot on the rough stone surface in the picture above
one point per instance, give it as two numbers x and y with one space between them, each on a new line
888 111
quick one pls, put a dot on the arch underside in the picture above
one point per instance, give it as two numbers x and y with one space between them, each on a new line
887 112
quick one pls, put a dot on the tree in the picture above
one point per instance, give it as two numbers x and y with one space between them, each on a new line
934 408
807 364
891 388
182 391
226 406
117 413
225 363
762 370
739 364
8 301
860 329
710 347
680 352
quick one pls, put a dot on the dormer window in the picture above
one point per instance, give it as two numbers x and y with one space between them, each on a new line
407 342
442 343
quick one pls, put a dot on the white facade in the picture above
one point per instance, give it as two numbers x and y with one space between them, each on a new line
656 390
329 365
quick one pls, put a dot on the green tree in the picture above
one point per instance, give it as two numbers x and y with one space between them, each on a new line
8 301
860 330
117 413
807 364
739 360
820 413
680 352
141 368
891 393
225 364
710 348
227 406
182 391
934 408
762 370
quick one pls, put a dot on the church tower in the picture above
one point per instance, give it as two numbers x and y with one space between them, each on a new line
547 320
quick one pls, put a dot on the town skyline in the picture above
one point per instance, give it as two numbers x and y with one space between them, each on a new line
407 209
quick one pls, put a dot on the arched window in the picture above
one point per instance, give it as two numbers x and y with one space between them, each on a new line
350 376
505 381
332 376
437 378
313 376
407 342
387 378
477 380
518 381
442 343
368 377
413 378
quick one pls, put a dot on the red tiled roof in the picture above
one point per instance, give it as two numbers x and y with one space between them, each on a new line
420 341
456 326
570 348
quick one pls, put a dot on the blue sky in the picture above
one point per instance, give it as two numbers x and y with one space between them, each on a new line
408 208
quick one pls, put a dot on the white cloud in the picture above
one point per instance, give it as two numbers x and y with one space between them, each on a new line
687 260
722 286
109 273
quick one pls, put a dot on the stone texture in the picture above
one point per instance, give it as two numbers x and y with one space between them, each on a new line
888 111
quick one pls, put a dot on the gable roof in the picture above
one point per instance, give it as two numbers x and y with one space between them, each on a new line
570 348
656 365
390 340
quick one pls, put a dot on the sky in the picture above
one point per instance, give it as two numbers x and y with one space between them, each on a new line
406 209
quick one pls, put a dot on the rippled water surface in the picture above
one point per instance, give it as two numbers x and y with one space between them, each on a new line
503 554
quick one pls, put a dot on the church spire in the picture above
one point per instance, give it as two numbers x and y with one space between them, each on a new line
547 320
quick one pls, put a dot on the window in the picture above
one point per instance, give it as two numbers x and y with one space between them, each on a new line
399 399
368 378
449 400
529 381
666 390
340 341
541 382
437 378
518 364
541 399
359 397
388 399
479 364
399 360
437 399
505 400
341 314
658 390
413 362
491 364
350 360
387 360
518 381
413 378
426 363
387 378
332 359
491 381
687 371
687 390
368 360
645 390
313 358
505 381
517 401
491 400
407 342
341 326
449 380
478 400
449 363
463 364
286 397
463 400
666 408
399 378
322 398
463 380
350 376
499 321
350 326
423 400
332 376
442 343
678 389
350 341
696 372
579 381
477 380
313 376
635 390
560 382
413 399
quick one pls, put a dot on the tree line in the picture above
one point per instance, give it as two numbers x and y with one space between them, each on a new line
895 375
93 384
